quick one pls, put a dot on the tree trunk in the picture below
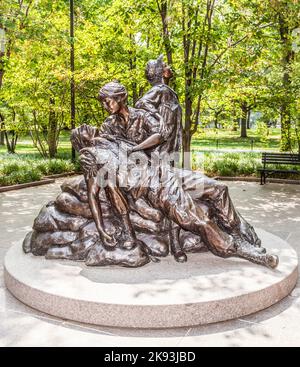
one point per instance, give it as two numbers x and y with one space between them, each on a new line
286 143
244 127
2 132
249 120
1 69
132 65
163 9
52 131
2 135
187 134
187 156
217 114
11 143
244 121
164 14
288 56
135 95
2 54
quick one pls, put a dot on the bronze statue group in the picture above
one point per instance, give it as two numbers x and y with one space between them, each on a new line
134 204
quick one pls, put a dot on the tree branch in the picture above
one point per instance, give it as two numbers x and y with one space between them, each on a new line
219 57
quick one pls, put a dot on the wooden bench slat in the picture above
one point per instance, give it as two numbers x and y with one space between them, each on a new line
281 158
282 162
284 154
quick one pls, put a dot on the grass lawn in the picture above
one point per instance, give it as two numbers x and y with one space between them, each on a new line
27 165
212 139
26 148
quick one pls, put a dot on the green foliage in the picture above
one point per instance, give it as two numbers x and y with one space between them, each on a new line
230 58
55 166
14 170
232 164
20 177
262 131
238 165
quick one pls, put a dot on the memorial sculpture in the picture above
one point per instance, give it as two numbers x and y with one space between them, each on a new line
134 204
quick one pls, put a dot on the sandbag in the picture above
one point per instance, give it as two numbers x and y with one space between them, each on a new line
41 242
70 204
27 243
80 248
158 245
76 187
51 219
99 256
113 226
45 222
76 251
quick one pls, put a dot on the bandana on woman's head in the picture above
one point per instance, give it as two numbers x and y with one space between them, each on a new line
113 90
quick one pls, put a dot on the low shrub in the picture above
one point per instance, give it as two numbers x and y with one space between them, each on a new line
56 166
13 167
237 165
16 170
19 177
231 164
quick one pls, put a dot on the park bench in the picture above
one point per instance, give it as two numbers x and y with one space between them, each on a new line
278 159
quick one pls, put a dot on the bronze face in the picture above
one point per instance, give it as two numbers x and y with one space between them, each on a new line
168 73
111 105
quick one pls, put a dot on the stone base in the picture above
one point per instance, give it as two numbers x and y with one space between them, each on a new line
204 290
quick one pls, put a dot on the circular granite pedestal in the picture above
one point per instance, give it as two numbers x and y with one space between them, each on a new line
205 290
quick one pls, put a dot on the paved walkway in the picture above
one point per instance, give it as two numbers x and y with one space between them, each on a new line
273 207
